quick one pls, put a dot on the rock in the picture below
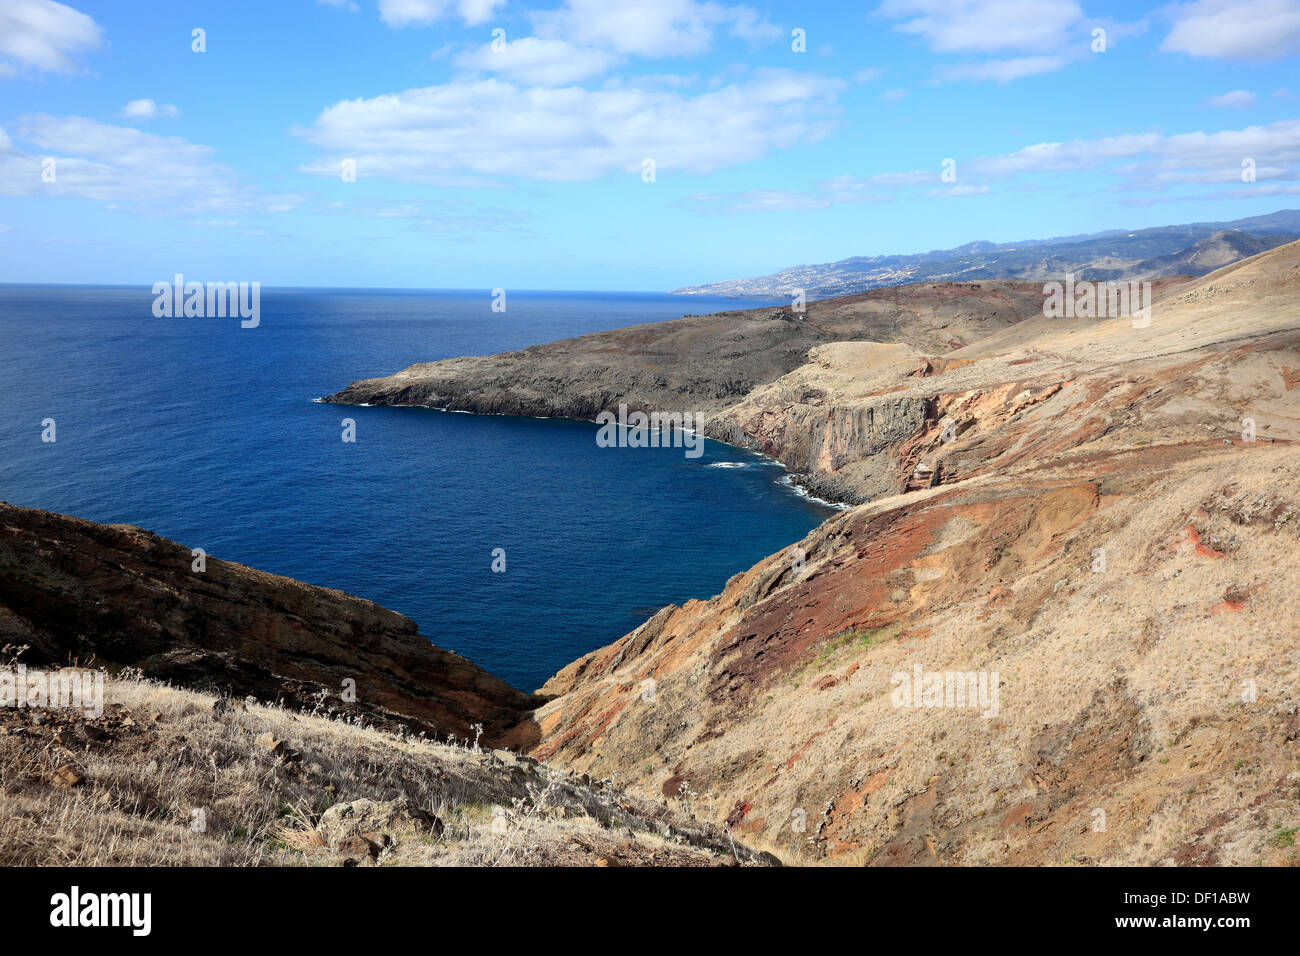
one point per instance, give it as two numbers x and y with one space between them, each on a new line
68 776
367 816
357 845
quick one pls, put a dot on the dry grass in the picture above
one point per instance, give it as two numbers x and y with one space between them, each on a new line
175 783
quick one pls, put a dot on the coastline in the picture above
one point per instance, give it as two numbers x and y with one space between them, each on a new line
802 484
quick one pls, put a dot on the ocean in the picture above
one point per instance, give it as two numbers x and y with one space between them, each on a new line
208 433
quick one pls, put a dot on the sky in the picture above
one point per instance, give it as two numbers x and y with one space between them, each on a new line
606 145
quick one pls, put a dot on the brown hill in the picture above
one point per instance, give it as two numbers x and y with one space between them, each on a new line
1096 537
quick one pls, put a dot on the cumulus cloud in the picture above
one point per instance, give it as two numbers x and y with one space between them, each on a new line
1148 163
1151 159
483 131
1018 38
652 28
156 175
419 13
986 26
43 35
1236 29
538 61
148 109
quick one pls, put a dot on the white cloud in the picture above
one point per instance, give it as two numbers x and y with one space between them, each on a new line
406 13
154 175
537 61
1236 29
1142 162
652 28
1236 100
43 35
148 109
986 26
475 12
1026 37
479 132
1152 157
893 96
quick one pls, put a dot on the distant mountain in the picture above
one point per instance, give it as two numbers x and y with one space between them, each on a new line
1193 249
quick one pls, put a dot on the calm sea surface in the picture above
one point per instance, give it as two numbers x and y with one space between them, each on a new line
207 433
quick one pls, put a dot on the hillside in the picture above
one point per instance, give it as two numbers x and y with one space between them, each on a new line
1193 249
171 777
1098 540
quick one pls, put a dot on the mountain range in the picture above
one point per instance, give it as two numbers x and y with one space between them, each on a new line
1192 249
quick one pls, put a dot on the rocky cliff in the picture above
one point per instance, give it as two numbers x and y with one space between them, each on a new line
1084 544
74 591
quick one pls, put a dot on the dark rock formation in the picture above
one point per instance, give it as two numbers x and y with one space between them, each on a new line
76 591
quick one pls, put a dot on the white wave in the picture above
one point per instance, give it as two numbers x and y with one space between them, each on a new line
802 492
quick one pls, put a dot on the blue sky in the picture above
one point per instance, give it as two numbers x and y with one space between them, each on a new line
523 166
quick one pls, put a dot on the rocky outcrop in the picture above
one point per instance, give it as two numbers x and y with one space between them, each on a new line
698 363
75 591
1086 547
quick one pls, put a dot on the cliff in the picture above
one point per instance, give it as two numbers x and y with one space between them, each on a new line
75 591
1097 551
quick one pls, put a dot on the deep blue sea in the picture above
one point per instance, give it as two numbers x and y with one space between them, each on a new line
207 433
